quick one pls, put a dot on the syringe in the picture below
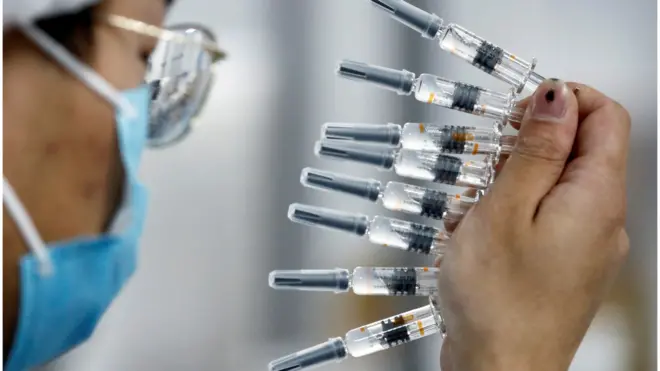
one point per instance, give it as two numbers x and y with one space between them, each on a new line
462 43
461 140
395 196
363 280
380 230
424 165
437 90
367 339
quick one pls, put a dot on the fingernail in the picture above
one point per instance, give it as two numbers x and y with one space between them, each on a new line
550 101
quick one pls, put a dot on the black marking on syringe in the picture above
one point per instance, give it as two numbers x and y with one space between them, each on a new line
421 238
434 204
403 281
446 169
488 56
452 139
394 331
465 97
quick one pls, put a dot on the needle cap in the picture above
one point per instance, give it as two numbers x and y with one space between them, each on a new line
366 154
336 280
372 133
400 81
364 188
332 350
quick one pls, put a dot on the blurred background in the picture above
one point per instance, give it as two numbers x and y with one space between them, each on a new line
218 225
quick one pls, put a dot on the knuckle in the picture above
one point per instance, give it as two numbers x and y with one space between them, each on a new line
618 111
542 147
623 245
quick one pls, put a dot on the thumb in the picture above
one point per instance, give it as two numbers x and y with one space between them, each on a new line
445 355
544 143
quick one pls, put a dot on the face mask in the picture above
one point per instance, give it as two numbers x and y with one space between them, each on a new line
67 286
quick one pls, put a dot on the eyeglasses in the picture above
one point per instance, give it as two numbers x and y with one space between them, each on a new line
180 73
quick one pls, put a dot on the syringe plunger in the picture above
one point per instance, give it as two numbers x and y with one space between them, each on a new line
367 339
437 90
466 45
391 281
393 233
424 165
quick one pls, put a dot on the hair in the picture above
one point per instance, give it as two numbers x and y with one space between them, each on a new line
74 31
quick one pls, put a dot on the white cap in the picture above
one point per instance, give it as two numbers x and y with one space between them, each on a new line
28 11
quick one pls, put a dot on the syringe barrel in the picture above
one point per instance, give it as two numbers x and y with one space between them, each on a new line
325 180
366 133
392 331
334 350
425 23
467 98
445 169
409 236
420 281
488 57
431 203
450 138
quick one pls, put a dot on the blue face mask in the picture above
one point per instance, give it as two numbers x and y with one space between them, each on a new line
61 305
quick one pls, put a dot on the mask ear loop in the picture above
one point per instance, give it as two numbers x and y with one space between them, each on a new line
87 75
27 228
97 84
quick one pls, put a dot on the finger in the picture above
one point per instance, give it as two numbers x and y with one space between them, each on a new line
445 354
588 97
500 164
522 106
453 219
604 131
544 143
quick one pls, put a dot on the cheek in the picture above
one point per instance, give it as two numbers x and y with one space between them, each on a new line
117 60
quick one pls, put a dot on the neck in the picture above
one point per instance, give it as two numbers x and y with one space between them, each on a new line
60 157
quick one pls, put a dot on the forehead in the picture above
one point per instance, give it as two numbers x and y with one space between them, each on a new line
148 11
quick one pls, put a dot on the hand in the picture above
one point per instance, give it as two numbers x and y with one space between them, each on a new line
530 264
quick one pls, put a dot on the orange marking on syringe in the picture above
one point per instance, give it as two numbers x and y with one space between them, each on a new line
420 327
421 127
469 136
426 269
362 329
431 97
475 149
513 57
458 196
409 317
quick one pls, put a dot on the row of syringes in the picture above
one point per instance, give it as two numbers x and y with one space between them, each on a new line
429 152
460 42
